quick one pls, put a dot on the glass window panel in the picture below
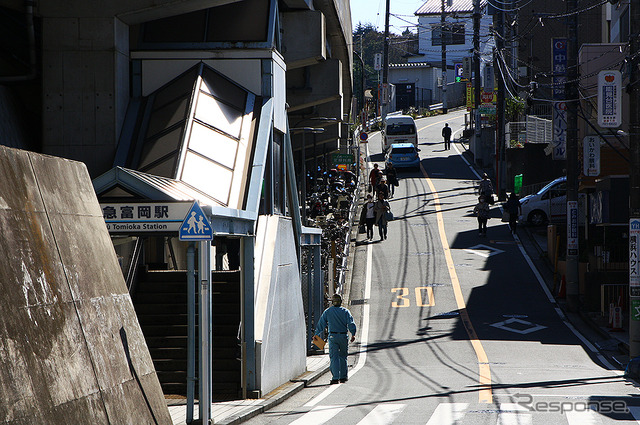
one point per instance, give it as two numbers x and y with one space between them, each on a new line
219 115
167 116
213 145
218 86
157 148
208 177
166 168
189 27
182 86
244 21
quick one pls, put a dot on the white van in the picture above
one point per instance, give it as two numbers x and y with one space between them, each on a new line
399 129
549 205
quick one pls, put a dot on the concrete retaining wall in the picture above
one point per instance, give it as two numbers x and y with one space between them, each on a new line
71 348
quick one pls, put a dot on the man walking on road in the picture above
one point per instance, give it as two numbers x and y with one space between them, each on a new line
339 320
446 134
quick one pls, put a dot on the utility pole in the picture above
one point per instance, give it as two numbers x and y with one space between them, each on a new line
501 172
571 90
476 68
443 46
634 180
385 65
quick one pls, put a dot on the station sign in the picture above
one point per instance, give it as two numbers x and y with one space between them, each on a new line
144 217
342 158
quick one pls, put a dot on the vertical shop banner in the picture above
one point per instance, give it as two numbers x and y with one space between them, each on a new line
572 227
469 96
559 122
559 63
609 99
591 156
634 253
377 61
488 80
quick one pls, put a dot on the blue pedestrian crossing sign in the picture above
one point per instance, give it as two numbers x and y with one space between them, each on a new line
196 226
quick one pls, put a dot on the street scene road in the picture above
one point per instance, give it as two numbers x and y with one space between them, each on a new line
454 327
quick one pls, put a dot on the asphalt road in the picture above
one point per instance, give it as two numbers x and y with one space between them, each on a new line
456 328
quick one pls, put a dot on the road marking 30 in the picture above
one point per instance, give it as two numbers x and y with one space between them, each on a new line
404 301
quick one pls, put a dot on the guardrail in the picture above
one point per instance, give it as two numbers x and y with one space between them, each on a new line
435 106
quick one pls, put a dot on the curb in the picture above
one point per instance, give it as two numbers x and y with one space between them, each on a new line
277 396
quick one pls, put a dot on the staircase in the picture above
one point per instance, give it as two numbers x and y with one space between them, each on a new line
160 302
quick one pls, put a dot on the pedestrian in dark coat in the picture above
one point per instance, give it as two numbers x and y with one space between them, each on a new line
381 207
392 178
486 188
482 213
374 178
513 207
446 135
383 188
368 216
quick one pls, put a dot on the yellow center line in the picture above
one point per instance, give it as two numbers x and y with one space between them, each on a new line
436 123
485 394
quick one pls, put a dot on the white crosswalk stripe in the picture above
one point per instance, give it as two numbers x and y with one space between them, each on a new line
383 414
586 417
448 413
454 413
514 414
318 415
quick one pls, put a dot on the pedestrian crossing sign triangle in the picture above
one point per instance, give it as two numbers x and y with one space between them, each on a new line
196 226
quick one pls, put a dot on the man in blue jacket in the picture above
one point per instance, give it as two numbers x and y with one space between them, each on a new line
339 320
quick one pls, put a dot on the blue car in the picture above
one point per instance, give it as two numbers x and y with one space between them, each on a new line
403 155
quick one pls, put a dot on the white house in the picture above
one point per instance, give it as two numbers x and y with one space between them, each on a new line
459 37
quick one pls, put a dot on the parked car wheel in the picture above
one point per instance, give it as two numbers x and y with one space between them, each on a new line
537 218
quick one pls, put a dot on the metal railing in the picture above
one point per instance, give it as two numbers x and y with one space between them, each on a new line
533 130
539 130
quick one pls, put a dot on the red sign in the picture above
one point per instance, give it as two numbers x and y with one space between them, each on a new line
487 97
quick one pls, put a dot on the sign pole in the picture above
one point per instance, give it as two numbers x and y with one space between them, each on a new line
196 228
205 331
634 181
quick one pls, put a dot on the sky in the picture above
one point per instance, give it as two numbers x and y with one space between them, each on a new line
372 11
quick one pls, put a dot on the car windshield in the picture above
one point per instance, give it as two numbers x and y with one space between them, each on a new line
544 189
398 129
408 149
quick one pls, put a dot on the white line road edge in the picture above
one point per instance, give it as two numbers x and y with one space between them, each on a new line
364 333
545 289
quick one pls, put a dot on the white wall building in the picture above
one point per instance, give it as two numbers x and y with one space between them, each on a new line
459 38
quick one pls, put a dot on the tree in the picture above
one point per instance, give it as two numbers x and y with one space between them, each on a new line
367 41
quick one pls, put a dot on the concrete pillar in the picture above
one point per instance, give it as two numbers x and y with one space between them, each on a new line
85 79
